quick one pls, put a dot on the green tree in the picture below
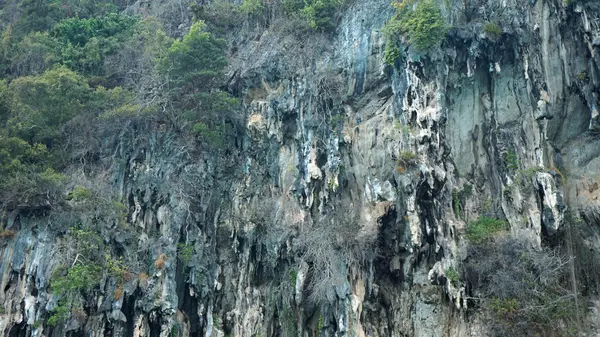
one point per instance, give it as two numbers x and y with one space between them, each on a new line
85 43
421 21
193 69
41 105
196 62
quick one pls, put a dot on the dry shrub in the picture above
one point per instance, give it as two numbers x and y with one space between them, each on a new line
7 233
332 247
160 262
118 292
525 291
143 278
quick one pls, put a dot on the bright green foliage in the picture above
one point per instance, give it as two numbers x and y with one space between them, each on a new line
215 135
421 21
484 228
452 275
319 14
85 43
71 285
392 53
80 193
193 66
406 157
185 252
293 274
80 277
61 312
504 307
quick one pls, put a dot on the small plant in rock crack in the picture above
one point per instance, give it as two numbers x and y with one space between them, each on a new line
293 274
452 275
404 160
407 157
511 161
185 252
492 30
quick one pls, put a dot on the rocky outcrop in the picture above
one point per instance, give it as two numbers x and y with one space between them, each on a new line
340 208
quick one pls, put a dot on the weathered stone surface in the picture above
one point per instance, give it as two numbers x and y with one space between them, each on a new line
460 110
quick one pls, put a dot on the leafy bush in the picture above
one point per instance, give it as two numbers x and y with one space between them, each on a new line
484 228
71 285
452 275
195 62
320 13
392 53
80 193
185 252
492 29
40 105
26 178
511 160
421 21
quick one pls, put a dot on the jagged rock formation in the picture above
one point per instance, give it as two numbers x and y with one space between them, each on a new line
352 183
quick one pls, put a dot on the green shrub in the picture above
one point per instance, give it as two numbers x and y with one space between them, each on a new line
80 193
40 105
421 21
252 7
320 13
511 161
293 274
392 53
407 157
78 278
185 252
452 275
71 285
484 228
492 29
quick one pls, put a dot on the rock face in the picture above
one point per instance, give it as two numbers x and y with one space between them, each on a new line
346 198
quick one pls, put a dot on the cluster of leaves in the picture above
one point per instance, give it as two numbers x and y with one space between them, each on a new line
420 21
524 290
484 228
82 262
320 14
492 29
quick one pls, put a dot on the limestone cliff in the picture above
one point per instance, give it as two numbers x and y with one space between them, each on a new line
346 198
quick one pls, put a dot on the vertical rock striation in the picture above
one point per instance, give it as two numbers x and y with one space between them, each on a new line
344 203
